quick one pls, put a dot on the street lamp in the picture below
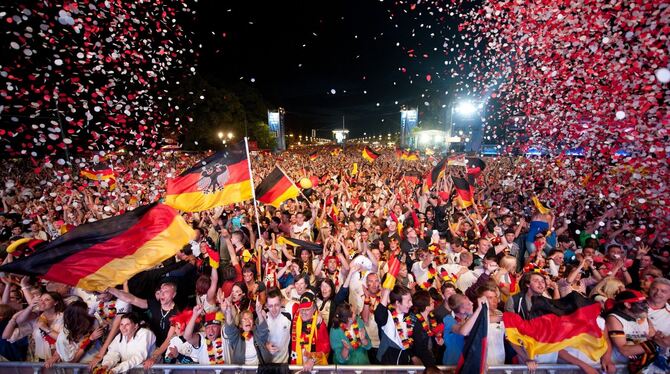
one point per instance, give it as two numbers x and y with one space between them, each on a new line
220 135
230 135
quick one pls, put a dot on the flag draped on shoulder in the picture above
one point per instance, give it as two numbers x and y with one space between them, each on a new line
464 190
276 188
556 324
220 179
473 357
312 247
369 154
105 253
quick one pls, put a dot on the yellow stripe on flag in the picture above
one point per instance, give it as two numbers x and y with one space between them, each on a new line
231 194
590 345
153 252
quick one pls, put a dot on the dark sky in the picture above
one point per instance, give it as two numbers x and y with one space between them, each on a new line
296 52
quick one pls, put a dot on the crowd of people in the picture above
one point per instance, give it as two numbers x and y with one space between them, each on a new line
271 302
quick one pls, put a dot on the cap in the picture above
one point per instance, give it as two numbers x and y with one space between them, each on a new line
306 300
630 296
214 318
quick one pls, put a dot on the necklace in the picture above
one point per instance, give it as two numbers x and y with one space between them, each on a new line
353 338
163 315
215 350
409 326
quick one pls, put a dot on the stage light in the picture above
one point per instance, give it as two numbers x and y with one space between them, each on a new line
466 108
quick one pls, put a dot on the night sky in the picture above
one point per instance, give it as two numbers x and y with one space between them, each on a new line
322 60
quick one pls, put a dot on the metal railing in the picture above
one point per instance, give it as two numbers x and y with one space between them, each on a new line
38 368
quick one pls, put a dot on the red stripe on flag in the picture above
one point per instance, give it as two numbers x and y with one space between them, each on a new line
89 260
279 188
237 172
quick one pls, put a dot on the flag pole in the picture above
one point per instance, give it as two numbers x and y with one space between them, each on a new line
253 195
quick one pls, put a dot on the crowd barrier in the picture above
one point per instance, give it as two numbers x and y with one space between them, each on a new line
38 368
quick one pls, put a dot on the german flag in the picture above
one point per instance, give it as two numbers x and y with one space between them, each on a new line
410 156
312 247
313 156
220 179
354 168
392 274
276 188
464 190
398 154
369 154
334 213
576 316
335 151
108 252
412 177
99 172
473 356
437 173
541 208
475 166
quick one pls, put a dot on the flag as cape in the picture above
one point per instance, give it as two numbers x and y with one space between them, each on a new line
473 357
312 247
369 154
570 321
105 253
220 179
276 188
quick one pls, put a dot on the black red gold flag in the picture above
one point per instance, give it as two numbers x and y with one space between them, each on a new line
276 188
475 165
473 357
464 190
220 179
369 154
313 155
105 253
574 314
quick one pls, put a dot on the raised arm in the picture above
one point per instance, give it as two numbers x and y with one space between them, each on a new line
129 298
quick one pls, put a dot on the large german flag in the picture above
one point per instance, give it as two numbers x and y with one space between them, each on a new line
369 154
276 188
108 252
557 324
464 190
220 179
392 274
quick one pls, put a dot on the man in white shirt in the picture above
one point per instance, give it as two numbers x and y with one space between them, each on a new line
279 325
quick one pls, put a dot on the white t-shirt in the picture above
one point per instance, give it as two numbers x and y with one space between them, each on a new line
250 355
280 336
123 355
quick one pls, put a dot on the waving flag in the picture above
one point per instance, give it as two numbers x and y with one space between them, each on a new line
475 166
220 179
438 172
574 314
464 190
473 357
99 172
313 155
102 254
276 188
369 154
